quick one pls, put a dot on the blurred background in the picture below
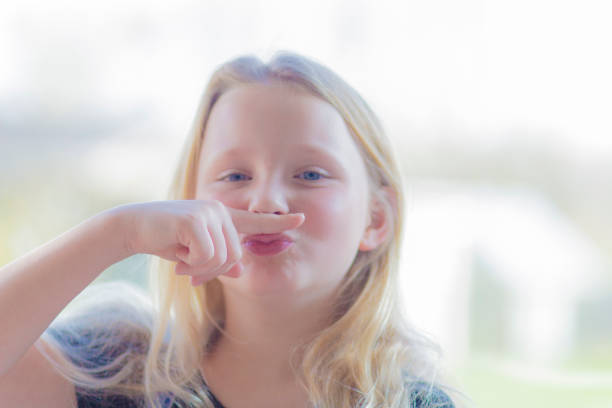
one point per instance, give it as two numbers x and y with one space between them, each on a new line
500 112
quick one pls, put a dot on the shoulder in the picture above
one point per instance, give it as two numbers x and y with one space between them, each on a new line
104 341
99 354
111 321
424 395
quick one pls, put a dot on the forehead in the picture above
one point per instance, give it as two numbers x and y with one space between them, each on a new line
275 115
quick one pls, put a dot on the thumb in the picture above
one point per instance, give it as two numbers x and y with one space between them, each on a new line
254 223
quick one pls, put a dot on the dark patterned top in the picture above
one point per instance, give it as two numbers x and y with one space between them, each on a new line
424 399
422 395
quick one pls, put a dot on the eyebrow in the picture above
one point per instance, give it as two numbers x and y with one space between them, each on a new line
302 148
319 150
235 151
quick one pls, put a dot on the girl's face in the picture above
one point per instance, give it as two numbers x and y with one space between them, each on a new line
274 149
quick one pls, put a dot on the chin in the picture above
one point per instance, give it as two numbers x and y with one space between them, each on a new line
265 281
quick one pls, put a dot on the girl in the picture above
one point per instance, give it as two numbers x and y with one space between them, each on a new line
276 282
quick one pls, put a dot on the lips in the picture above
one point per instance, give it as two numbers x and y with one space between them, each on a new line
267 238
267 244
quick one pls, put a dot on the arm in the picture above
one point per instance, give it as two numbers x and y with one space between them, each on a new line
33 382
200 235
36 287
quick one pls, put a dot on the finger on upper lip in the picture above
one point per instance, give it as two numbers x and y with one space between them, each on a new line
257 223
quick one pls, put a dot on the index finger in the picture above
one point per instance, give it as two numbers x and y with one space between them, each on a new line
254 223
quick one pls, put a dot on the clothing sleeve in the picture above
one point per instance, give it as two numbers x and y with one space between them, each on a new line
93 350
425 396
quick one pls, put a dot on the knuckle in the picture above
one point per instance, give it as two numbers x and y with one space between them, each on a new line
190 221
225 213
199 256
214 261
217 205
207 256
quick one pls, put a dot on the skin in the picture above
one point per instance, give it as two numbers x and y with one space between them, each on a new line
272 303
272 149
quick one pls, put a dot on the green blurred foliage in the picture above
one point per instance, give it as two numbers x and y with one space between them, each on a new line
489 386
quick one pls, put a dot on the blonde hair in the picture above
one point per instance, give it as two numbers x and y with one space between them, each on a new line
367 357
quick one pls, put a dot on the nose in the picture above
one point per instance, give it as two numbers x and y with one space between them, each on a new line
269 197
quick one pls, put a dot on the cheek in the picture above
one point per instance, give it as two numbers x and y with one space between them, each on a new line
333 215
230 200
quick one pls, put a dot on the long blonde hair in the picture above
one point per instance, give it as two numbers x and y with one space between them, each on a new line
367 357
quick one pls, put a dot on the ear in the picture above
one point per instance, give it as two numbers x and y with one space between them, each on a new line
383 208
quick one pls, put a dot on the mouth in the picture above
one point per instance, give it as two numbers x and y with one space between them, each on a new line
267 238
267 244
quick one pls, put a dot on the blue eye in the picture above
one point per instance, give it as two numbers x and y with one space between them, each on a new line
230 177
312 175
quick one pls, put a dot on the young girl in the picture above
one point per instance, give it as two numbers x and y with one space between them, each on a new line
277 274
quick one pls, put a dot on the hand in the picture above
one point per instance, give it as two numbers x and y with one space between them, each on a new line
200 235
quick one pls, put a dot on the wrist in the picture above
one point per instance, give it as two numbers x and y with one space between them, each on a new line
118 225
